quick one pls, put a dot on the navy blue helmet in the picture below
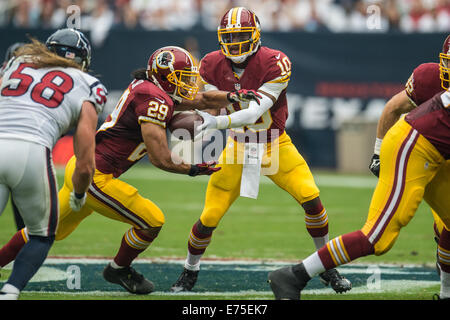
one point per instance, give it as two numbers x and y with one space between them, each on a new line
71 44
11 49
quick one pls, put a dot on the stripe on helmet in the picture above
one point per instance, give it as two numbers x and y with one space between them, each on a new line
239 15
188 54
234 16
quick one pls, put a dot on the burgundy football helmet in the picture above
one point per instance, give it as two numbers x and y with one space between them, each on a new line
239 34
173 70
444 64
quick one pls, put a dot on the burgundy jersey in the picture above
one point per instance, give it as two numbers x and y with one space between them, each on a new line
432 120
424 83
266 65
119 142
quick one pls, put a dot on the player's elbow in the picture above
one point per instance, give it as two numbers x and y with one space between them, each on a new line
253 116
159 162
85 168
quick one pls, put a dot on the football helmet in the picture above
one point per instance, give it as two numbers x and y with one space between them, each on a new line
444 64
71 44
12 49
174 71
239 34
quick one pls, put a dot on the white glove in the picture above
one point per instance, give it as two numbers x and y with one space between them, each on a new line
76 203
209 121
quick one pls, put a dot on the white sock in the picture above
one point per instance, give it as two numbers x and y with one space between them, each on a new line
9 288
313 265
115 265
445 285
193 261
319 242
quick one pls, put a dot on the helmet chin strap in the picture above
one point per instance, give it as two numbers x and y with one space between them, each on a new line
176 98
244 57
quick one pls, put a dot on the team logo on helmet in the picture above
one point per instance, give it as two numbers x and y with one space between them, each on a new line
164 60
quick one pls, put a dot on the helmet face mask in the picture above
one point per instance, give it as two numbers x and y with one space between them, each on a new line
185 82
239 34
444 64
173 70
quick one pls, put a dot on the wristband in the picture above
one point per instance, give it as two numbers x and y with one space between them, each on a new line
79 195
193 171
377 147
229 97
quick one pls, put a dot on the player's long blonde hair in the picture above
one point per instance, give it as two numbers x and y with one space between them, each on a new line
37 53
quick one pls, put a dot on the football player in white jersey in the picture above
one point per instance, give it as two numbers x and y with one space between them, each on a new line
10 52
44 93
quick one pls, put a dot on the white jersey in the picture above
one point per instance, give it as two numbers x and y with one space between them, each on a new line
40 105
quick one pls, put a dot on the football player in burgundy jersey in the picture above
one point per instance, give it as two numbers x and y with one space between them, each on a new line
258 142
136 127
414 157
426 80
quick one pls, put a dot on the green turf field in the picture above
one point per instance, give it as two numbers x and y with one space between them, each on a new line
265 230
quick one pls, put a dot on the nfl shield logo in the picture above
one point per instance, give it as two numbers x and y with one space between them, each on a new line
237 86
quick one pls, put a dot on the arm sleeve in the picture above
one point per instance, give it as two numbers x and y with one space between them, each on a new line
209 87
254 111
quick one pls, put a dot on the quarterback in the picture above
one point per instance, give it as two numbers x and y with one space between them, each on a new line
136 127
257 139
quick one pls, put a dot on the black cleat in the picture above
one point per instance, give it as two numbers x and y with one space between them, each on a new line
337 282
186 281
129 279
438 297
286 285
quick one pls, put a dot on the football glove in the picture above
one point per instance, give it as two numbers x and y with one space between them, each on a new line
77 201
205 168
243 95
209 121
375 165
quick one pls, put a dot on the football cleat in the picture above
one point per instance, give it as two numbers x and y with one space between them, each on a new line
8 296
436 296
186 281
129 279
286 285
335 280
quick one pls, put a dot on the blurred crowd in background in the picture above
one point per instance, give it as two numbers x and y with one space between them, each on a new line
100 16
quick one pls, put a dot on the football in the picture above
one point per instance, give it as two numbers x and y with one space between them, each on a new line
187 120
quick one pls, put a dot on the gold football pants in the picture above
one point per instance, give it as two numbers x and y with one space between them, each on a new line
410 164
292 175
436 192
111 198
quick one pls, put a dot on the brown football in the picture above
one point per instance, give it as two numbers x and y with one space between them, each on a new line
187 120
